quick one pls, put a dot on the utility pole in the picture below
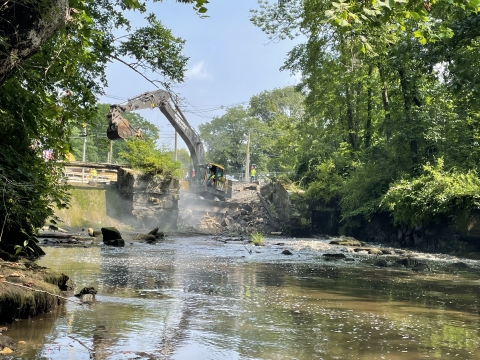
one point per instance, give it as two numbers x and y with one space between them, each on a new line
176 152
247 160
84 142
84 149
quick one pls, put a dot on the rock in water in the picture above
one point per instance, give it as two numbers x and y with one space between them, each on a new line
334 256
346 242
111 233
287 252
7 342
145 237
153 232
87 290
381 263
116 242
375 251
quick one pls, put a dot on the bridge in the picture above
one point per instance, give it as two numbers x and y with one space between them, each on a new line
78 172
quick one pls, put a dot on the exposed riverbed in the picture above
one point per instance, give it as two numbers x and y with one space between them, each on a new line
200 298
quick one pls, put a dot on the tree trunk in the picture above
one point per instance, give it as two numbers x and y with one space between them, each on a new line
386 104
368 125
26 25
352 137
407 101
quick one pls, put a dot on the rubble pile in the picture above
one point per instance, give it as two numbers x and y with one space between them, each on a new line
250 216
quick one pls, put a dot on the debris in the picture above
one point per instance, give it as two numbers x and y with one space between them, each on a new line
87 290
6 350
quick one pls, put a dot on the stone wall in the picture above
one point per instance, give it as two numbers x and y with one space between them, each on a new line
443 237
154 199
288 206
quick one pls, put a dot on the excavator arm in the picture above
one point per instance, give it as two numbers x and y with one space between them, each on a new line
119 128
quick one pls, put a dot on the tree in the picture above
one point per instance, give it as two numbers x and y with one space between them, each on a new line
271 119
92 24
52 68
391 88
98 145
225 138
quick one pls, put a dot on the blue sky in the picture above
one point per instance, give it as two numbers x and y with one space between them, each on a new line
230 61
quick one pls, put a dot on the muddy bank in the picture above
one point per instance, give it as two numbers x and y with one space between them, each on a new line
28 290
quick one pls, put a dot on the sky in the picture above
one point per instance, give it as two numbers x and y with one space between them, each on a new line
230 61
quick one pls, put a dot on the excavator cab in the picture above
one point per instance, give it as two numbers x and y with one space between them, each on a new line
210 180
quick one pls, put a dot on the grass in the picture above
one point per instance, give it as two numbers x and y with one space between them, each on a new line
257 239
18 302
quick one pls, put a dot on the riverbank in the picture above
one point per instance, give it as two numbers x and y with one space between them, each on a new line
27 290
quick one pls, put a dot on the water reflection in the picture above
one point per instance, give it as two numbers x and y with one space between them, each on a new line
198 299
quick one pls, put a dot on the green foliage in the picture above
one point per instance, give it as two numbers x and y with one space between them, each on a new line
26 247
271 118
225 138
143 155
53 93
433 196
390 87
326 187
257 239
98 145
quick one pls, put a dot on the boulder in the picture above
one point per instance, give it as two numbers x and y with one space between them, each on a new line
144 237
473 256
388 252
380 263
87 290
334 256
346 242
7 342
375 251
420 267
116 242
235 214
90 231
459 266
153 232
110 233
247 208
287 252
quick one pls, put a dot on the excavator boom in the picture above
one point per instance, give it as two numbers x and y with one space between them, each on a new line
206 179
119 127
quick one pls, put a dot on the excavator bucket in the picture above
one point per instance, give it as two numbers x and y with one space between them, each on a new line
120 128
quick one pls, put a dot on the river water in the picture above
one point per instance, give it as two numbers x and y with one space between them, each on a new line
201 298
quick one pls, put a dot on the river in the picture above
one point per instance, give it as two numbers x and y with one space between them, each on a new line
201 298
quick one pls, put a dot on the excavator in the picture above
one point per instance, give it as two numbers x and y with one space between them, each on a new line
204 179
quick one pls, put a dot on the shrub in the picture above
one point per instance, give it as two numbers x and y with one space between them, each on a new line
435 195
257 239
144 156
